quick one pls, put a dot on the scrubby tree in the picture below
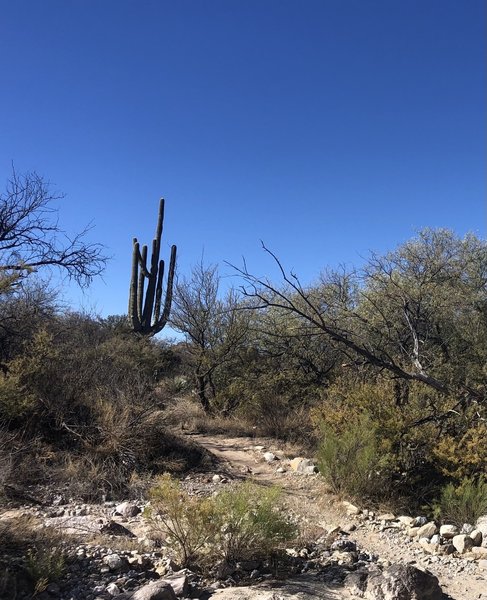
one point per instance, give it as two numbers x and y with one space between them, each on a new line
215 329
31 238
418 313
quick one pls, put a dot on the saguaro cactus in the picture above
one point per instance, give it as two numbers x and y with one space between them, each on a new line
145 298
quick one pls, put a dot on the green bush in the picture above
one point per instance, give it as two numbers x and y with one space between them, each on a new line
250 523
350 461
238 523
464 503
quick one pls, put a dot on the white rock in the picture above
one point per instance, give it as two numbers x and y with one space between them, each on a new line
435 539
449 531
351 508
269 456
419 521
428 530
479 552
412 532
127 509
406 521
113 562
113 589
463 543
216 478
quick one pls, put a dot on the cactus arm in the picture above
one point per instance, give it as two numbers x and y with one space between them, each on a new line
133 300
142 275
170 285
157 306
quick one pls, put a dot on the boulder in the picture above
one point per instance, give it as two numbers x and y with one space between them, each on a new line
402 582
405 520
477 537
156 590
127 510
269 456
113 561
428 530
481 525
463 543
179 583
387 517
449 531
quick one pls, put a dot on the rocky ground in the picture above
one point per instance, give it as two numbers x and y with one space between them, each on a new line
345 552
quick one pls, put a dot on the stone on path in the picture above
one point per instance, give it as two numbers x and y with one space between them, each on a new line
127 510
401 582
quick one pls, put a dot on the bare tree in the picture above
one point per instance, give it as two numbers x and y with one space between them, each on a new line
214 328
31 238
414 313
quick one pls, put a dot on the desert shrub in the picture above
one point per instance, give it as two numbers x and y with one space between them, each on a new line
463 503
188 523
238 523
350 461
394 409
250 523
460 452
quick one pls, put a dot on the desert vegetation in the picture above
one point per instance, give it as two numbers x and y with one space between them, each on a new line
380 372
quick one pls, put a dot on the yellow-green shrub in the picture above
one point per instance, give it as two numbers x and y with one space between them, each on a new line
237 523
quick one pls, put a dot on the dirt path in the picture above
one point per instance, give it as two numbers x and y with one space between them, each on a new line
307 495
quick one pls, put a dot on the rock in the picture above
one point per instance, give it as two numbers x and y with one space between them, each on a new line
483 564
179 583
402 582
156 590
344 546
114 528
345 558
280 470
127 510
113 561
269 456
463 543
351 508
479 552
406 521
419 521
435 539
428 530
481 525
300 464
387 517
216 478
449 531
477 537
113 589
412 532
467 528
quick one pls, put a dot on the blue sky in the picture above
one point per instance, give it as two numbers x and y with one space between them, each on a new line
325 128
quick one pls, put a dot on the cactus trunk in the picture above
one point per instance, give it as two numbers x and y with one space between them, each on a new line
146 285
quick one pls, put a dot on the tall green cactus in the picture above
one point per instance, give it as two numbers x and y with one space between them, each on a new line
145 301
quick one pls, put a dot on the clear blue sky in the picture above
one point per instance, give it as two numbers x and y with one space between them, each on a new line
325 128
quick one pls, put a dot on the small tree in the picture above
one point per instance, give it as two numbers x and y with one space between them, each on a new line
214 328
